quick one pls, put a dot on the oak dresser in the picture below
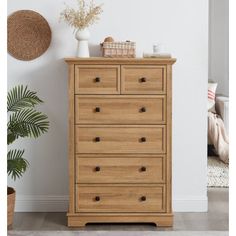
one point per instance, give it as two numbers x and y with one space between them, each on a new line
120 140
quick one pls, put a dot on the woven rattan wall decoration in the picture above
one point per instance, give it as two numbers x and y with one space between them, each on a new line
29 35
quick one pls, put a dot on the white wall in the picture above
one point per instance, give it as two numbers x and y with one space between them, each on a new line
182 26
219 44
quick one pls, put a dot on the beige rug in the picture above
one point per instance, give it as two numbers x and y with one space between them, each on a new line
218 173
118 233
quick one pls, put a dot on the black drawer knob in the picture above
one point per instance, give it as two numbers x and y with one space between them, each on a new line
97 109
97 139
97 198
142 109
143 140
143 169
143 198
97 168
142 80
97 80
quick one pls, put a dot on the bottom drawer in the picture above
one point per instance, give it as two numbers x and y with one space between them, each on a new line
125 198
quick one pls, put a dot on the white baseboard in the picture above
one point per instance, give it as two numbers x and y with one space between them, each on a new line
55 203
41 203
190 204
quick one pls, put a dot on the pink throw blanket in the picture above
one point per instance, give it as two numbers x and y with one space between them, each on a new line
218 137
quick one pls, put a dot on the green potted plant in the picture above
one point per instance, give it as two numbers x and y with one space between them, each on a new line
24 121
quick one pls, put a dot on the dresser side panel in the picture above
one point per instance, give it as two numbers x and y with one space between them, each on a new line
71 145
169 140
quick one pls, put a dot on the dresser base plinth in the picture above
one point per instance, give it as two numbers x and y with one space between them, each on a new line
80 220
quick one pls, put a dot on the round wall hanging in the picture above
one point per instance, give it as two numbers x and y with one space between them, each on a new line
29 35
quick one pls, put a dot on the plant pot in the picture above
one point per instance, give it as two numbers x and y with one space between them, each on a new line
82 35
11 194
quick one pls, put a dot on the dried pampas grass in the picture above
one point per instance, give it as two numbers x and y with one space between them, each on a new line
84 16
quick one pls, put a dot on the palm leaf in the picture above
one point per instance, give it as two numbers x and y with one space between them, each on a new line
16 164
20 97
26 123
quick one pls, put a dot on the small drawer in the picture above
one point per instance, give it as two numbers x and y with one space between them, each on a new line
110 198
120 109
139 139
97 79
114 169
143 79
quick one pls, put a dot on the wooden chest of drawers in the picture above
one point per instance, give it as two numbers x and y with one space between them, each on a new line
120 140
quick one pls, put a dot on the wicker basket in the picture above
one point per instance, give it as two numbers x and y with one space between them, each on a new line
11 194
118 49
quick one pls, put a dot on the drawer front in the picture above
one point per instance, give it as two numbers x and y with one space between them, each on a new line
118 110
97 79
143 80
144 169
120 139
120 198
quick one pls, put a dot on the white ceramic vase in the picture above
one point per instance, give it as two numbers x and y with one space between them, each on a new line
82 35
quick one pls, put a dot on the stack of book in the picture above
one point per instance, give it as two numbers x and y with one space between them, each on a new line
156 55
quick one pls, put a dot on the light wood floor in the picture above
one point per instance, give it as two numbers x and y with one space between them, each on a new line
215 219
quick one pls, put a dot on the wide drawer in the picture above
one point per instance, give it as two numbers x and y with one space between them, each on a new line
120 109
117 169
110 198
97 79
105 139
143 79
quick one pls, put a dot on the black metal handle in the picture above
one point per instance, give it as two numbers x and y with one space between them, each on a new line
142 109
97 139
143 169
143 139
97 109
97 198
142 80
97 168
143 198
97 80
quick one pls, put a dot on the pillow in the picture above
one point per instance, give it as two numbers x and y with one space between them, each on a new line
211 97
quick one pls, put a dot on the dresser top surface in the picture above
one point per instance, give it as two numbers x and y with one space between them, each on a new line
104 60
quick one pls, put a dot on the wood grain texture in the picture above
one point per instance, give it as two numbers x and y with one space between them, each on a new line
143 79
120 139
110 169
95 79
120 110
119 61
169 140
117 126
71 135
120 198
81 219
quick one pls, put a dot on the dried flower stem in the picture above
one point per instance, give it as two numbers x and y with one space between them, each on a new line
83 17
